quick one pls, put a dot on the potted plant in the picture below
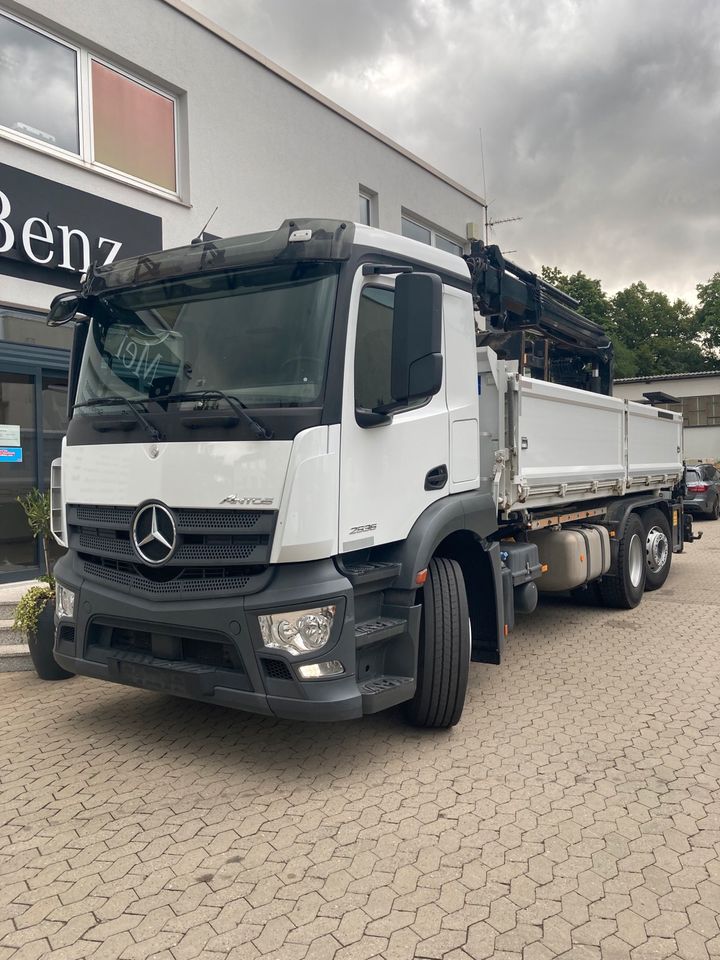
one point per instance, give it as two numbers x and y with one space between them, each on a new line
35 613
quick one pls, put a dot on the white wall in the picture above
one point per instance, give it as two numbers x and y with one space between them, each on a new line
686 387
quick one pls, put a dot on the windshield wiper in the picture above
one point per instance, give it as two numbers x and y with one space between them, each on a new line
259 429
117 400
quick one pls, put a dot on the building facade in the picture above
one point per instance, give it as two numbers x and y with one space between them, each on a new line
123 129
696 396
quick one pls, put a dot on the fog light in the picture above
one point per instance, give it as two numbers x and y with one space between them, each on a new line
300 631
64 601
316 671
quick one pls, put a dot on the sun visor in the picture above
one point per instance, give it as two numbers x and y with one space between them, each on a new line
295 240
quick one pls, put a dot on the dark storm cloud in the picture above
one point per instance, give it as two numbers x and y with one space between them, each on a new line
600 118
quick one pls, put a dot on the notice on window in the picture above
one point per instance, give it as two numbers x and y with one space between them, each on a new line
10 454
9 435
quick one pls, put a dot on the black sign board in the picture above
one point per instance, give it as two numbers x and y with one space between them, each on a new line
52 233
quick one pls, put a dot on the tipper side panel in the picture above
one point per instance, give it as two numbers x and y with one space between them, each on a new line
569 445
655 446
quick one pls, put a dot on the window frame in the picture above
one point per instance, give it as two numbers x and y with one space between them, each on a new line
433 231
91 127
85 157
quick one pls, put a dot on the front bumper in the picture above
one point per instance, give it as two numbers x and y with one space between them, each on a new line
211 649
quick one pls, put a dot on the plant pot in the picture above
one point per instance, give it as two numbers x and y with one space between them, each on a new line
41 642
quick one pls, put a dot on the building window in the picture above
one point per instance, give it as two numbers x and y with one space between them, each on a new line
126 113
367 207
40 103
364 210
426 234
38 86
698 411
450 246
415 231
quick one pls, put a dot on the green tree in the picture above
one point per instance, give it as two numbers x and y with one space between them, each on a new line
708 319
661 334
594 303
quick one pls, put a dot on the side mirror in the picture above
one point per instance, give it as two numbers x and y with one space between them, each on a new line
63 309
416 363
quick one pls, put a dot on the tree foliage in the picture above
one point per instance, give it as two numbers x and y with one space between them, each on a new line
652 334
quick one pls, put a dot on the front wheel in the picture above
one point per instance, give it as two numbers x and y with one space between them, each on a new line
625 588
444 653
658 550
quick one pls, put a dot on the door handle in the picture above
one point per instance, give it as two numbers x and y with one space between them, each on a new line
436 478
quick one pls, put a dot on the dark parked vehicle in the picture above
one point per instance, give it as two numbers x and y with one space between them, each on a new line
703 490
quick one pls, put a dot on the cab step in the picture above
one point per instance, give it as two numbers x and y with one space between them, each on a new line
380 628
383 692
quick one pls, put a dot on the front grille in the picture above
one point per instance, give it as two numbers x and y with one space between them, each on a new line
220 519
183 581
117 516
206 538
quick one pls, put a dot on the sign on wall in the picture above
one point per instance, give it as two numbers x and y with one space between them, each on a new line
52 233
10 434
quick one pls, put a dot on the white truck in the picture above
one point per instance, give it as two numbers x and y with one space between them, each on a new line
313 473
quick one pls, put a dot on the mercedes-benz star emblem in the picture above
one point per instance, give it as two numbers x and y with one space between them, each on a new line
153 534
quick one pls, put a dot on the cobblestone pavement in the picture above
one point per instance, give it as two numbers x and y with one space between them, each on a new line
574 812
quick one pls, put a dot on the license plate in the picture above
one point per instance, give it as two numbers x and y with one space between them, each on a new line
179 683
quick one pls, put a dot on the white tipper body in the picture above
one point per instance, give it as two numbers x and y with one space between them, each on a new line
345 487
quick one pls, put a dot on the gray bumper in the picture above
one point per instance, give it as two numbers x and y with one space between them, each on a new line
211 649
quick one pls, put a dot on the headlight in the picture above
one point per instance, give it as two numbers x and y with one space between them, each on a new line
301 631
64 601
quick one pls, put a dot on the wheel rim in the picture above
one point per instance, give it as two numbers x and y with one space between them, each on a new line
656 549
636 561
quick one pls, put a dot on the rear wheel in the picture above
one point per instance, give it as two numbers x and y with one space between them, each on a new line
658 549
625 588
715 512
444 654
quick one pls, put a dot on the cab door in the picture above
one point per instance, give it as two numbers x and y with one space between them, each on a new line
390 472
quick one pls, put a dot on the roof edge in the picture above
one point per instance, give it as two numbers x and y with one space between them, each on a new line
669 376
201 20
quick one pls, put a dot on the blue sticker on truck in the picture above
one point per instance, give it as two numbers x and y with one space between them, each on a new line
11 454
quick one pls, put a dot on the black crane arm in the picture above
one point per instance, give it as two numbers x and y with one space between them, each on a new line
533 322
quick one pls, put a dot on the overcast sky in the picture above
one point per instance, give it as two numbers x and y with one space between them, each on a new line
600 118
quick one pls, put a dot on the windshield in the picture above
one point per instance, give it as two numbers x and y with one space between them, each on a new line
262 336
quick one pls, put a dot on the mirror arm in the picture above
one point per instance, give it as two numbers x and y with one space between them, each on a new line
372 418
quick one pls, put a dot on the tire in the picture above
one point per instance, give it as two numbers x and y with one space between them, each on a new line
715 512
444 652
625 588
658 548
41 642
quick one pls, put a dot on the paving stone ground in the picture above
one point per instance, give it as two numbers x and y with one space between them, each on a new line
574 812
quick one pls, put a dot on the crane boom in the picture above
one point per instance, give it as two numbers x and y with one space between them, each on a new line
533 322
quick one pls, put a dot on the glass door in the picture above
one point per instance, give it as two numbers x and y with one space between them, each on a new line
18 472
